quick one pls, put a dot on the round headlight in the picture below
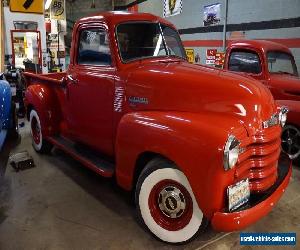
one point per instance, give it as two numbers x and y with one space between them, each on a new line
283 116
231 152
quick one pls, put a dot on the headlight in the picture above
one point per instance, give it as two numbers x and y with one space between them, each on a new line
283 115
231 152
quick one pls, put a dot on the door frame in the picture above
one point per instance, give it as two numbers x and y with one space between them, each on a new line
26 31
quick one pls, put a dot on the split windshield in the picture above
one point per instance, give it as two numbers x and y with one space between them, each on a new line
143 39
281 63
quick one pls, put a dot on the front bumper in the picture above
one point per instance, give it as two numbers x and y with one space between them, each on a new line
258 206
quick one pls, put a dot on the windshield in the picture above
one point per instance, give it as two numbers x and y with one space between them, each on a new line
281 63
140 40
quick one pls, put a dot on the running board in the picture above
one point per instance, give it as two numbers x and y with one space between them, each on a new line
87 157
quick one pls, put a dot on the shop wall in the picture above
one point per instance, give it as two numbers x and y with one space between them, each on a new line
255 19
78 9
10 17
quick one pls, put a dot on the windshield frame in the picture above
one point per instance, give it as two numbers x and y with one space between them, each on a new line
286 53
163 38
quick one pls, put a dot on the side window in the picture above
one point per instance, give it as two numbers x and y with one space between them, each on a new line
94 47
244 61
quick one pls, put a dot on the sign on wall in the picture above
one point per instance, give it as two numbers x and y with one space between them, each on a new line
212 14
172 7
220 59
27 6
57 10
211 56
190 55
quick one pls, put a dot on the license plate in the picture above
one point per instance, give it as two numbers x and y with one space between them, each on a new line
238 194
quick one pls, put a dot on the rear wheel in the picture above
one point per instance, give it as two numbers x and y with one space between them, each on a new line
39 144
166 204
290 143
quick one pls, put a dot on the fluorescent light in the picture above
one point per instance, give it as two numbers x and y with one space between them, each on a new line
47 4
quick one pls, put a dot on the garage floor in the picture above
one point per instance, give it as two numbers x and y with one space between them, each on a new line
59 204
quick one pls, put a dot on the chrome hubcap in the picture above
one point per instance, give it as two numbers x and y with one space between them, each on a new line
171 202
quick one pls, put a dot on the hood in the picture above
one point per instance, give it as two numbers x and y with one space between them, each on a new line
285 87
180 86
5 100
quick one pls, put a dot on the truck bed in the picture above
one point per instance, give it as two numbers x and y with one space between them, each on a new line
55 78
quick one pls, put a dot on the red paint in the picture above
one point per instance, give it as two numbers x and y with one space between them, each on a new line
203 43
171 224
190 113
289 42
227 222
285 88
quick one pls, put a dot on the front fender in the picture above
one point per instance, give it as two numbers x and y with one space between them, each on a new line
44 100
293 116
194 142
5 104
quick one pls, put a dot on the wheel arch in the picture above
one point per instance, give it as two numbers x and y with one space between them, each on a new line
142 160
43 99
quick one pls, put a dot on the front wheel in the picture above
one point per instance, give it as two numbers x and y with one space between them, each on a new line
39 144
290 141
166 203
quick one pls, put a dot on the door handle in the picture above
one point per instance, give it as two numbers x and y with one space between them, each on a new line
71 79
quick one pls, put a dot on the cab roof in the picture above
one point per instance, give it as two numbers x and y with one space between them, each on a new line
116 17
259 44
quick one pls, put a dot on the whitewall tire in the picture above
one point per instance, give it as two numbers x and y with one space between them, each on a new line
38 143
166 203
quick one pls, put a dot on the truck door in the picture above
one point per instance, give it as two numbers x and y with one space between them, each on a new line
247 61
90 89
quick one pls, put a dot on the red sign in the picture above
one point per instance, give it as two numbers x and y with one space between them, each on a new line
211 56
211 53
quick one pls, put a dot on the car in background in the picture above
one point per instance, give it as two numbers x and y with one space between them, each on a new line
273 65
8 117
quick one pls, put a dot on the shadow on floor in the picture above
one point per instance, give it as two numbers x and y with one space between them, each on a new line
11 142
109 194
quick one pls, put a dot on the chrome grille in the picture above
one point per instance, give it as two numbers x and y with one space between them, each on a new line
259 159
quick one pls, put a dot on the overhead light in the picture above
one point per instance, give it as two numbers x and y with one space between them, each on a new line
47 4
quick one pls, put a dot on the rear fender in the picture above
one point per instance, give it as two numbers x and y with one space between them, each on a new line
194 142
43 99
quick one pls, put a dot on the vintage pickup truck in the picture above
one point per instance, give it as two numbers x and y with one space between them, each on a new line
194 144
274 65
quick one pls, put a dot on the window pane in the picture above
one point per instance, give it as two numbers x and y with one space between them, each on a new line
173 42
94 48
280 62
139 40
244 61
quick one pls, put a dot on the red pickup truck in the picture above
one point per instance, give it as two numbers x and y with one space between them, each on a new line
194 144
274 65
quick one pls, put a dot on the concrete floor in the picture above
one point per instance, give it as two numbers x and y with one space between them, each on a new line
59 204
